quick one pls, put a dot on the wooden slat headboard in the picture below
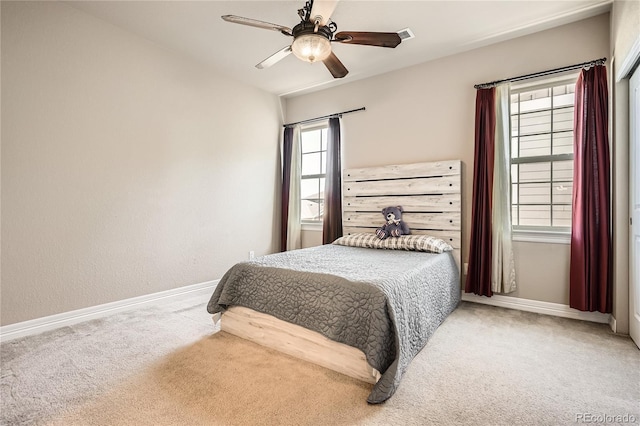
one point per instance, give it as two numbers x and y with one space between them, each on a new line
429 193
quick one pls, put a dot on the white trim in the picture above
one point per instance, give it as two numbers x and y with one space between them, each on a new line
542 237
569 77
307 226
51 322
539 307
315 125
613 324
630 61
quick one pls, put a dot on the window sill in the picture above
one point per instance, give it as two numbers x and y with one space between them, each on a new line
311 226
542 237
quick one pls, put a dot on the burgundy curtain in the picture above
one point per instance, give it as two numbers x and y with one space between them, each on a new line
591 247
332 220
479 273
287 148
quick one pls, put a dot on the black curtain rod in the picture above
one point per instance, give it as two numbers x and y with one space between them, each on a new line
324 117
543 73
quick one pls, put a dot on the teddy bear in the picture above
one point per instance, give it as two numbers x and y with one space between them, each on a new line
394 225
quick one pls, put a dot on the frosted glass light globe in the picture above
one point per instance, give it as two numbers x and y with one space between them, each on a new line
311 47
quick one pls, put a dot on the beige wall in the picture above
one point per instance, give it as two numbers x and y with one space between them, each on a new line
311 237
625 31
625 26
126 168
426 113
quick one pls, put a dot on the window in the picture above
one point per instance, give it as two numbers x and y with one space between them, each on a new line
542 156
314 169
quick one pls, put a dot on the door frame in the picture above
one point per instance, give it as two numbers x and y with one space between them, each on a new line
623 172
634 190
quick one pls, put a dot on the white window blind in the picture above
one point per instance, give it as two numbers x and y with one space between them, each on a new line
542 155
314 169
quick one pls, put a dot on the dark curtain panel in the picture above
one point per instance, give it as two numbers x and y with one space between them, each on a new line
332 220
287 148
479 273
591 247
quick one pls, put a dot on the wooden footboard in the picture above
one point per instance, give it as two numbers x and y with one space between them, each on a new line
297 341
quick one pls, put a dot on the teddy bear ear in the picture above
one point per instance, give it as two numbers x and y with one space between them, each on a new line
400 208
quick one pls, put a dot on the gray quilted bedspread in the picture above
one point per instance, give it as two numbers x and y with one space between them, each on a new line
386 303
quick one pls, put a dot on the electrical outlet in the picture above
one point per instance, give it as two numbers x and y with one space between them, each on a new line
466 268
252 254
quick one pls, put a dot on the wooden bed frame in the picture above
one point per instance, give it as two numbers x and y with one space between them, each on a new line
430 194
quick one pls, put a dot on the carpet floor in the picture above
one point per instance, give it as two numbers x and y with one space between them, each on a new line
166 365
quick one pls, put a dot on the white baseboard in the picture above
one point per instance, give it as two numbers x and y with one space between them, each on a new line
39 325
546 308
612 324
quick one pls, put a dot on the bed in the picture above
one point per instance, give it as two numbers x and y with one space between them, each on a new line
362 311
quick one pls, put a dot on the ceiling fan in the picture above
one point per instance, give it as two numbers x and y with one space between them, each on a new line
313 36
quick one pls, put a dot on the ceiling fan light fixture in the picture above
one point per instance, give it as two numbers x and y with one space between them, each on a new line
311 47
312 37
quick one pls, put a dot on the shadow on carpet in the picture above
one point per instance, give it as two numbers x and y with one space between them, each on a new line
226 380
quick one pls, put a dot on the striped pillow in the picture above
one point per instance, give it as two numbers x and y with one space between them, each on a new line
404 242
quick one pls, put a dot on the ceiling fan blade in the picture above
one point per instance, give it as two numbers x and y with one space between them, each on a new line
335 67
258 24
324 9
278 56
368 38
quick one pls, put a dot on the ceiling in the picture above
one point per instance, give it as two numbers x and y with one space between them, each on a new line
441 28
